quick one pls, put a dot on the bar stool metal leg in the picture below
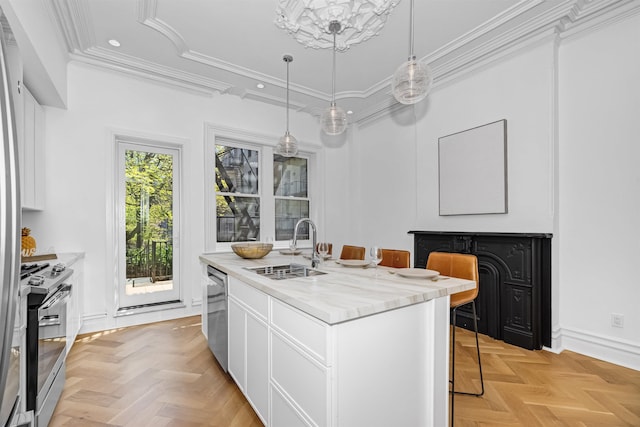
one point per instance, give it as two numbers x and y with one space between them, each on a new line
453 359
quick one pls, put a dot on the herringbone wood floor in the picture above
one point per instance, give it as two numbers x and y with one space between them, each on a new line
163 374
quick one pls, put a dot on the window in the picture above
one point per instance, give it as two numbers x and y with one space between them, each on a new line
237 195
255 194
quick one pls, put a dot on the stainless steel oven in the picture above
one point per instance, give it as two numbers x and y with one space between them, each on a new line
217 315
46 342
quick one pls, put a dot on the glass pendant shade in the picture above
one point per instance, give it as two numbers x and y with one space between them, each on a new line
411 82
287 145
333 120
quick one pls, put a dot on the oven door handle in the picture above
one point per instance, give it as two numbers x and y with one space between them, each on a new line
62 294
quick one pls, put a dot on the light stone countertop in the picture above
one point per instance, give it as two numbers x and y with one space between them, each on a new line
345 293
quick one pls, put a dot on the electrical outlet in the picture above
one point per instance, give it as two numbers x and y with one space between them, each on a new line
617 320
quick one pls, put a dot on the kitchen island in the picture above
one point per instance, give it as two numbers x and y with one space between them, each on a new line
351 347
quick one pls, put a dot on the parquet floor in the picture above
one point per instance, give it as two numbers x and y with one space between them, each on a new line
155 375
163 374
540 388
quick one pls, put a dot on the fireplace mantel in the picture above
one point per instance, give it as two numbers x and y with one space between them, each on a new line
514 300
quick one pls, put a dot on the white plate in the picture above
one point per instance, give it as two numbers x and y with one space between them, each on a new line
353 262
290 252
417 273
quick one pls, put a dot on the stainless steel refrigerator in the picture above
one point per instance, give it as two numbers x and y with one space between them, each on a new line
10 220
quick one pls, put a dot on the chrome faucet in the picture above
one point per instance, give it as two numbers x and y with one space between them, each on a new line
315 257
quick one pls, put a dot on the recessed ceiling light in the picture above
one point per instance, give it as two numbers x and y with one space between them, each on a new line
260 85
114 43
349 112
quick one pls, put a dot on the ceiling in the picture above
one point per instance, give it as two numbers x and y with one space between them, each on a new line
229 46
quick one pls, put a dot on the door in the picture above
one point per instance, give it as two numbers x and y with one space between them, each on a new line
148 202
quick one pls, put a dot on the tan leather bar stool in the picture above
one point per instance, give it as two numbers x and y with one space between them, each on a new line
463 266
352 252
396 258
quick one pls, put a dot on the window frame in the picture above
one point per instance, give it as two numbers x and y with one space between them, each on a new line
265 144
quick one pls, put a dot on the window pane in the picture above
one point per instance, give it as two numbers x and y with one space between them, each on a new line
149 221
289 176
236 170
238 218
288 212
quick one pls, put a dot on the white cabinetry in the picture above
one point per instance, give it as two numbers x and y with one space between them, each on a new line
300 367
32 154
29 122
249 344
377 370
74 306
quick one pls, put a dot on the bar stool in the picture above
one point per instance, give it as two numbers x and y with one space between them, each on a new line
396 258
463 266
352 252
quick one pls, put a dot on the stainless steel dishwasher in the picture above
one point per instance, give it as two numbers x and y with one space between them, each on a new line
217 315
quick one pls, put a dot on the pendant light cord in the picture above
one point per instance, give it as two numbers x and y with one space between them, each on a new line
333 79
288 94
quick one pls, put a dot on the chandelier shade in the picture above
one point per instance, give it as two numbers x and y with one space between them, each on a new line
412 80
308 21
287 145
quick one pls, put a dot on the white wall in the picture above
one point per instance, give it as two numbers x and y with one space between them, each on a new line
599 238
78 214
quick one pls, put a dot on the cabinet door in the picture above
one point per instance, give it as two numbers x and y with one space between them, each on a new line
257 356
32 160
237 346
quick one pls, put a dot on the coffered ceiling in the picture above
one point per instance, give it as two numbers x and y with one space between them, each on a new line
230 46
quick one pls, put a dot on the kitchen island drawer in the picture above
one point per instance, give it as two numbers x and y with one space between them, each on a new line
252 298
303 380
309 333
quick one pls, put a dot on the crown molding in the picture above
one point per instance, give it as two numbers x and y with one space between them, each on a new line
72 17
270 99
147 16
104 58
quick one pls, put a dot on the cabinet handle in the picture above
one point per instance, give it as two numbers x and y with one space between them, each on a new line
19 87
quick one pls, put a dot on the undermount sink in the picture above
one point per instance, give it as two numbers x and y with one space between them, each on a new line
285 271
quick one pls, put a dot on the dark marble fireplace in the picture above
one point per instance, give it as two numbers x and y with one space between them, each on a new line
514 301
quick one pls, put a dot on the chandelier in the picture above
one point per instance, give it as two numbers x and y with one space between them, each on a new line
308 21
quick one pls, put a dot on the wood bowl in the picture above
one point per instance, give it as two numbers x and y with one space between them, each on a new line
253 250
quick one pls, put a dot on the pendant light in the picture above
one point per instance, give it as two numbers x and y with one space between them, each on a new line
334 119
287 145
412 80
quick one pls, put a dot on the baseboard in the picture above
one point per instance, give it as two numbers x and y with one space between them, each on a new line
616 351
